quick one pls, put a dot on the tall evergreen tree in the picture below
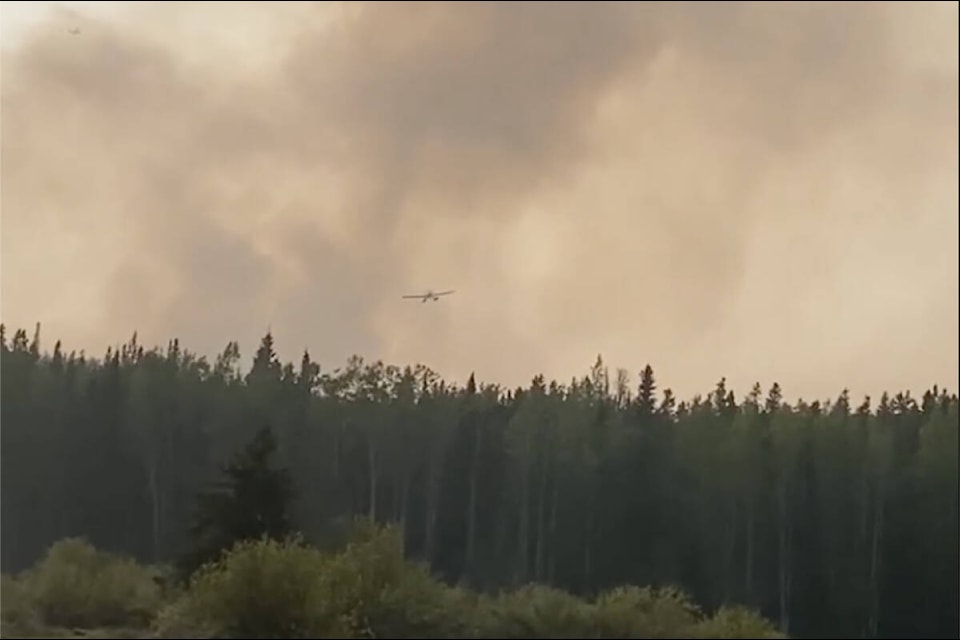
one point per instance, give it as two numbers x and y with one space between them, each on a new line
646 394
252 502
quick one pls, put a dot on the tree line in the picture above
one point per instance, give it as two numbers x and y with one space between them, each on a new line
831 517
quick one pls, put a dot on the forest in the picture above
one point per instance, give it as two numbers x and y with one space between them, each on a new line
833 517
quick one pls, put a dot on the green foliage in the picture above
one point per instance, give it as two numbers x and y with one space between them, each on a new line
253 502
260 588
535 611
270 588
76 585
375 592
734 622
282 589
834 518
16 608
633 612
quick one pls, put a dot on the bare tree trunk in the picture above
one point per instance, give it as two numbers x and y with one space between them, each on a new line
748 562
395 501
729 569
553 530
875 560
404 502
155 509
541 525
430 513
863 552
588 554
523 536
472 506
784 562
864 511
789 581
372 463
502 532
337 437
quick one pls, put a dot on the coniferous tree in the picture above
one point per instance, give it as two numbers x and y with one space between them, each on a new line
646 398
252 502
834 517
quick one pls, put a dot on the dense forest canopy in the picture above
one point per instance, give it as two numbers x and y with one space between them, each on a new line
833 517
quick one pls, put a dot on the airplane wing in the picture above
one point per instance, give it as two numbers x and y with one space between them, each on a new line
412 297
443 293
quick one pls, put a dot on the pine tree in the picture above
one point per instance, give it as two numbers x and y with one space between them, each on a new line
774 399
253 502
266 366
668 404
646 394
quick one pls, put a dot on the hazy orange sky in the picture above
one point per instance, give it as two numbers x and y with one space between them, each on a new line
762 191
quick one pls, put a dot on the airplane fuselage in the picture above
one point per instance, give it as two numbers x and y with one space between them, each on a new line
428 296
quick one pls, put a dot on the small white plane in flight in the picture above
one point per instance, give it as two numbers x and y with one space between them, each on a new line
429 295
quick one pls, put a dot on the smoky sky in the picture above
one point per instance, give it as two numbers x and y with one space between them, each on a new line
762 191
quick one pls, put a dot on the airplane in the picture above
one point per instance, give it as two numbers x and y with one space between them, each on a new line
429 295
73 31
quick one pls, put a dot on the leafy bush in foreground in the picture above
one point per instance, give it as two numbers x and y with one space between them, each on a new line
536 611
76 585
16 610
376 592
262 588
634 612
271 589
735 622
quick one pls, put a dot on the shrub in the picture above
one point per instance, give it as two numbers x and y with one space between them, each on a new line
375 592
261 588
75 585
735 622
633 612
271 589
17 615
14 604
536 611
184 619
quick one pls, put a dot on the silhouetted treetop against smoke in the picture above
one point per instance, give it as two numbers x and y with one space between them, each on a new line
750 170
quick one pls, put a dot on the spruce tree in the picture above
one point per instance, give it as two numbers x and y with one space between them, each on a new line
253 501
